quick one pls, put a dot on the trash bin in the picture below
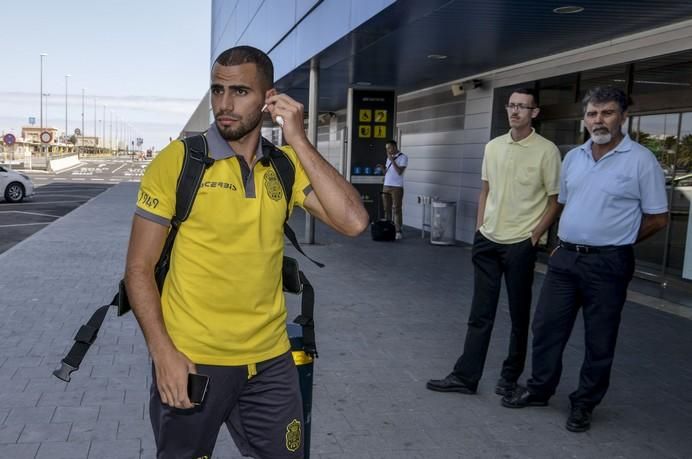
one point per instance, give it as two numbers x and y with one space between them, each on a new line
443 222
304 364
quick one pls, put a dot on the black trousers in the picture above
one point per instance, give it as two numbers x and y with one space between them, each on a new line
596 283
491 260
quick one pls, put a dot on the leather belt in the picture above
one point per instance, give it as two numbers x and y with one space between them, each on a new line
587 249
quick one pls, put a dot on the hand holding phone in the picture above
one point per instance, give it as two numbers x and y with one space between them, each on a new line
279 119
197 387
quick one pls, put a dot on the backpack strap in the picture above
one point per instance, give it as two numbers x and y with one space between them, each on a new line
85 336
196 159
286 171
305 319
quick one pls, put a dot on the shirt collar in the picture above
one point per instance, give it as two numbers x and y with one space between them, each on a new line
624 146
523 142
220 149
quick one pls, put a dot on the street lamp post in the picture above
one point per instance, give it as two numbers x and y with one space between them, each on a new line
66 132
96 132
82 143
104 127
110 135
46 95
41 93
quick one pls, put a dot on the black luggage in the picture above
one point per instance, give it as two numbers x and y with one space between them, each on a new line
381 229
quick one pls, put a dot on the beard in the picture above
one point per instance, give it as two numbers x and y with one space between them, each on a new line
601 136
242 129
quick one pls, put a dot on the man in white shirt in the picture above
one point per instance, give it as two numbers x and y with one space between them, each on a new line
393 190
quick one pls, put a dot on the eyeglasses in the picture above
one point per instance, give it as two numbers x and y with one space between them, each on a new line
512 107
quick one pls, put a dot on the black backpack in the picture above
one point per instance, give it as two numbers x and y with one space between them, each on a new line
196 161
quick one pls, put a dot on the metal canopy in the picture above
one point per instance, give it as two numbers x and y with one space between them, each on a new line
392 48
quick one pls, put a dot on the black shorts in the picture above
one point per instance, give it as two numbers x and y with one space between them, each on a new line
263 412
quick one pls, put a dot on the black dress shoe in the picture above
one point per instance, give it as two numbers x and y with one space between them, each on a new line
450 384
522 398
505 388
579 419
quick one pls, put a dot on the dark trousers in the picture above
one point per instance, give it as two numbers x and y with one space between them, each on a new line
596 282
491 260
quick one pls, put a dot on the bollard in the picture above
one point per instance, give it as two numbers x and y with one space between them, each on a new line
304 364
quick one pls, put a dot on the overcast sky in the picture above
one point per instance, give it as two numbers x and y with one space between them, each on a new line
146 61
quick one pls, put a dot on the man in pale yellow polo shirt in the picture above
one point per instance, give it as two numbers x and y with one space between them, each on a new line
517 204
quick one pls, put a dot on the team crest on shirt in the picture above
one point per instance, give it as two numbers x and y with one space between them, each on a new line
293 435
272 185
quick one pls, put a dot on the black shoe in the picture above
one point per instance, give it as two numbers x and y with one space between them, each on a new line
505 388
522 398
579 419
450 384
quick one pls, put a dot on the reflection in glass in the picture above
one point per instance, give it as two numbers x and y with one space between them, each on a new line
680 241
669 75
558 90
615 75
658 133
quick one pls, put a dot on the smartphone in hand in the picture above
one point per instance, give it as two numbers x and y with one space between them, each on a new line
197 387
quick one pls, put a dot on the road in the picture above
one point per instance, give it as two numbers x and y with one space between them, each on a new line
60 193
93 171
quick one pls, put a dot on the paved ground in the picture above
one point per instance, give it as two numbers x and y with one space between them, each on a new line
49 202
389 316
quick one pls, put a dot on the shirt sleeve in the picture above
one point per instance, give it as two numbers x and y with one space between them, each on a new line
156 197
484 167
402 160
652 187
562 197
301 184
551 171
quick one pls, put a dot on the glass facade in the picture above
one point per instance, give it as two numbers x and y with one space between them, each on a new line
660 119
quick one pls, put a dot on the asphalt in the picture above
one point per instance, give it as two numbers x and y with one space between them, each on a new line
389 316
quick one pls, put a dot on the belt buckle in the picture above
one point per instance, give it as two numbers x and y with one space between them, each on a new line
581 248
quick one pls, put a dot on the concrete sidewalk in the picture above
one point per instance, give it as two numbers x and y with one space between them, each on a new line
389 316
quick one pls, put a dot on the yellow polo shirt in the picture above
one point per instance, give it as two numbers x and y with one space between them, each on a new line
521 175
222 301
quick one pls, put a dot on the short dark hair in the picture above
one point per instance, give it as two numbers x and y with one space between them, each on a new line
249 55
529 92
391 142
604 94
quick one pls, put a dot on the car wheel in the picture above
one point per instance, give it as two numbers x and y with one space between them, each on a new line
14 192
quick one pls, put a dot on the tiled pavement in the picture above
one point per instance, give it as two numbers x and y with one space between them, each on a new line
389 316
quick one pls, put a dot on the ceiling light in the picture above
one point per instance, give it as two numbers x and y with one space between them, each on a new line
568 9
363 83
437 57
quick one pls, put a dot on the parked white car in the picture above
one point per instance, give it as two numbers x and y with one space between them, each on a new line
15 186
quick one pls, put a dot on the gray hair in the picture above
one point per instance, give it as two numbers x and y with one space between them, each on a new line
605 94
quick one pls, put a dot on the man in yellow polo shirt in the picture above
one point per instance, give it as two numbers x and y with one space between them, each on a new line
221 312
517 204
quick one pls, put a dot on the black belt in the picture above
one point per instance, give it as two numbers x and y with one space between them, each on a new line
586 249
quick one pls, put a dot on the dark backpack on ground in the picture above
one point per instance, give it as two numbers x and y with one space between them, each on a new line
196 161
381 229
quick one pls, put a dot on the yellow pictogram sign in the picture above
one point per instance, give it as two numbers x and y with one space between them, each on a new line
380 132
365 115
380 116
364 131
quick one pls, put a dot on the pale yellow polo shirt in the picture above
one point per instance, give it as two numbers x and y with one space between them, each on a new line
521 175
